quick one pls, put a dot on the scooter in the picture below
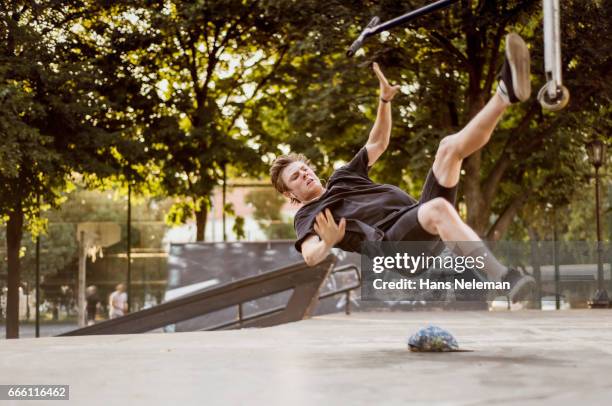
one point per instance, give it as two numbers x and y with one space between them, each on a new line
374 27
553 96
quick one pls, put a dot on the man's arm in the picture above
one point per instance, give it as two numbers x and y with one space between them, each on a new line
316 248
378 141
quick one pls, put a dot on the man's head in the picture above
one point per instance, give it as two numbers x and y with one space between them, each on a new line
121 287
293 177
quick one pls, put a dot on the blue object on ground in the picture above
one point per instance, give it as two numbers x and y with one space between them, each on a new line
432 339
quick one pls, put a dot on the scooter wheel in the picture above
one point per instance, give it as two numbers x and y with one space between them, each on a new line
554 104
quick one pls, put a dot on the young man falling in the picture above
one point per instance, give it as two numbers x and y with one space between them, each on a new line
351 208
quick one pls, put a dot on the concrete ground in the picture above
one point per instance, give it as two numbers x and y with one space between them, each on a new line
28 330
531 357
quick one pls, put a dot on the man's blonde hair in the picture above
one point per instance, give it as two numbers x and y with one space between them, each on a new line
279 165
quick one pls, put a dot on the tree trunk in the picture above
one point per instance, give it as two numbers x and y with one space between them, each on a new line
14 233
506 217
478 210
201 217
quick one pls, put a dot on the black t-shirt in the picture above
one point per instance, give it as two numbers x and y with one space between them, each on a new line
368 207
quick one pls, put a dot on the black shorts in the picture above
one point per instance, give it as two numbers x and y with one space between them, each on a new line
407 226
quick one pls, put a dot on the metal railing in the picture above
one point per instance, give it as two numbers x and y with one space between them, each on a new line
243 321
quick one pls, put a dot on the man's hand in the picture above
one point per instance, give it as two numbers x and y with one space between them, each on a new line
387 92
327 229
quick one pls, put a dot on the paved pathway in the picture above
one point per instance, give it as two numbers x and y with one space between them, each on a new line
526 357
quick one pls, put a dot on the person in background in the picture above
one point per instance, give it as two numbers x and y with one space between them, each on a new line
93 301
117 302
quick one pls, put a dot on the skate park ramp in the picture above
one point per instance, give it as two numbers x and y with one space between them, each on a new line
300 283
526 357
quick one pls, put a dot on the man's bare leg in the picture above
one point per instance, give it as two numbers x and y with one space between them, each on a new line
513 87
439 217
455 148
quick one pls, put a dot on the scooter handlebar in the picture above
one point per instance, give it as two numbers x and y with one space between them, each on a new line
355 47
364 34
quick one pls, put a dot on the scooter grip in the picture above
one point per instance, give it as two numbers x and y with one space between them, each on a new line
354 47
359 41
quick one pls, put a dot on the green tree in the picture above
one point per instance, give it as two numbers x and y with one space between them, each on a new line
51 118
203 63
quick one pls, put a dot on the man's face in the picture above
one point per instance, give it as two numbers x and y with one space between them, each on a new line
302 182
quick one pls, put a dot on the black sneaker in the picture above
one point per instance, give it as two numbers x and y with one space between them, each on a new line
515 84
521 285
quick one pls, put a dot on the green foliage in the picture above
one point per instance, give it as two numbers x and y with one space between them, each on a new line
446 63
267 204
229 209
238 228
170 95
54 113
199 66
179 213
279 231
